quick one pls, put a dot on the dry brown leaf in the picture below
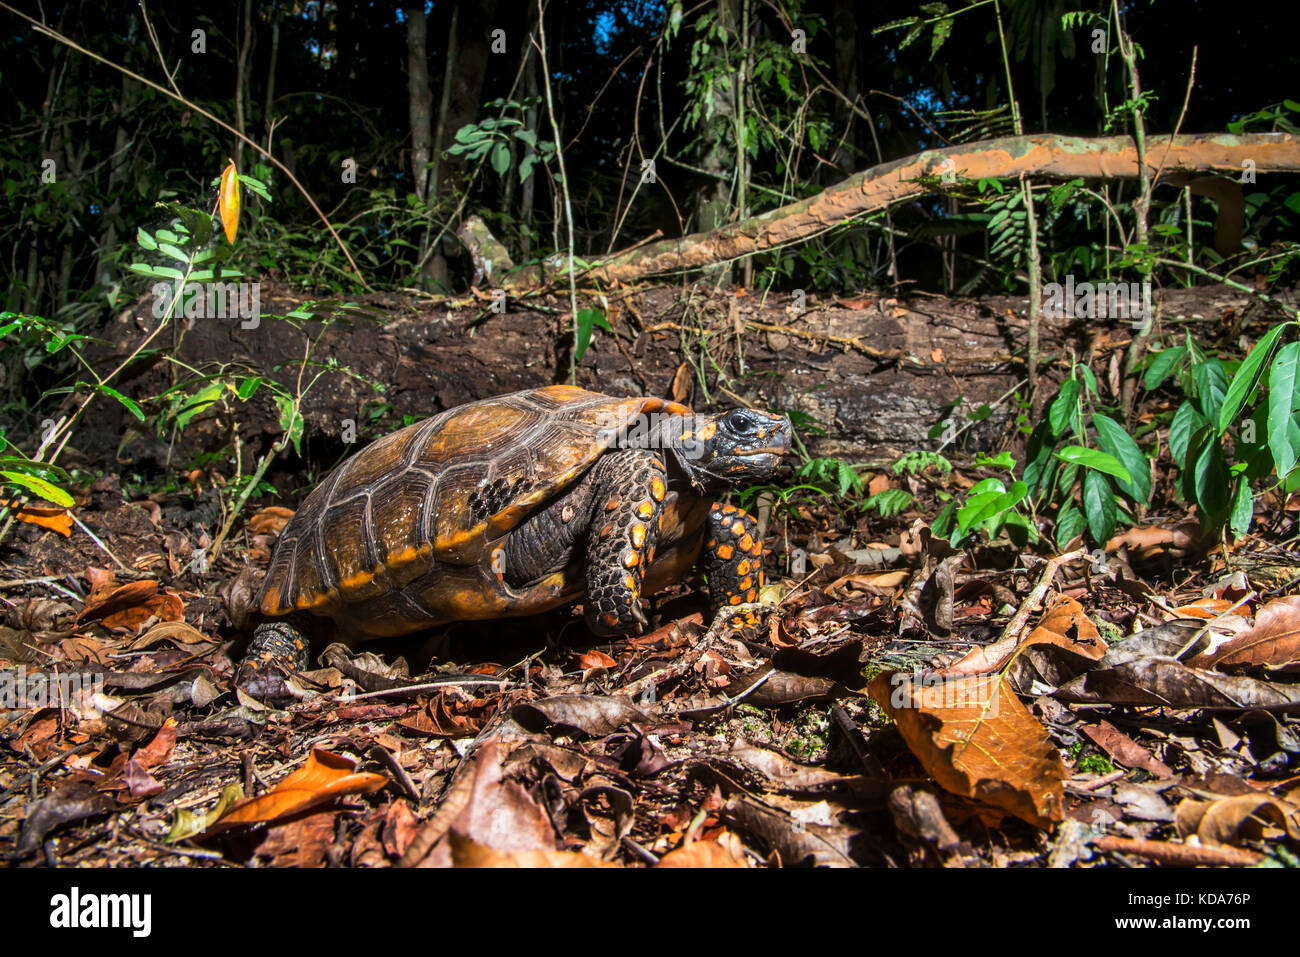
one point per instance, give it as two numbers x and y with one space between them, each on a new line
466 852
700 854
1243 816
1064 625
129 606
324 777
1125 750
594 658
1274 641
46 516
269 520
1201 608
177 631
976 739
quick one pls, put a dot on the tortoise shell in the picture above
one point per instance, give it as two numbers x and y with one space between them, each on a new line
399 537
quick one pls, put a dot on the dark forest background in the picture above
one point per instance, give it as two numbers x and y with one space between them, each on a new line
331 81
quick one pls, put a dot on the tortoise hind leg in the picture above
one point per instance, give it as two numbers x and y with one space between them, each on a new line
629 490
278 648
733 557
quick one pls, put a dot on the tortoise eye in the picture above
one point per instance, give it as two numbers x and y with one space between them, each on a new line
742 423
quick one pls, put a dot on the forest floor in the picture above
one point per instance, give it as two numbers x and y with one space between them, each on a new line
902 704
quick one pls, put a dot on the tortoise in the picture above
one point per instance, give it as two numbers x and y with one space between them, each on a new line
515 505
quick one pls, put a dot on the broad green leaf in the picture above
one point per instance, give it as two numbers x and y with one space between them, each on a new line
1161 365
501 159
587 320
247 387
1243 507
38 486
1099 506
1211 387
1283 398
1002 460
145 241
1069 524
1093 459
1243 383
1112 437
198 402
1185 423
1038 454
943 522
1210 477
1064 407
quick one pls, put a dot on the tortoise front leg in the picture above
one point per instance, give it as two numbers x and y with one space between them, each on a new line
630 486
732 557
278 648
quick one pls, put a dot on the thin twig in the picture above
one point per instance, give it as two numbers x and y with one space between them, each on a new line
1035 599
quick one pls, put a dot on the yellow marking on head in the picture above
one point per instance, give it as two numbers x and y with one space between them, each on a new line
707 432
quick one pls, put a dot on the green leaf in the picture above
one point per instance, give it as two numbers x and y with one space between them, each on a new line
587 320
38 486
943 522
1161 365
890 502
1185 423
291 421
1210 478
1064 407
1211 387
145 241
1112 437
1038 452
1243 507
501 159
1092 459
198 402
1243 383
130 404
247 387
1069 524
1099 506
1283 398
1002 460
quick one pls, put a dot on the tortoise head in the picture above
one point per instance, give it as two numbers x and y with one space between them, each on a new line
731 448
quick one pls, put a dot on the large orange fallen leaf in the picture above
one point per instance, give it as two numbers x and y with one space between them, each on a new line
976 739
46 516
323 778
